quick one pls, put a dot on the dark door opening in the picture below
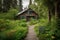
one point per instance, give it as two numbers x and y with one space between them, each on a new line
28 18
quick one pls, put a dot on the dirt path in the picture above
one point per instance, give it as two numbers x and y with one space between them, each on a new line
31 34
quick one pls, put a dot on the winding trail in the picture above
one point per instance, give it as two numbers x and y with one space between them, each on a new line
31 34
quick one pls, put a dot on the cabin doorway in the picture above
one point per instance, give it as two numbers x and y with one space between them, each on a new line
29 18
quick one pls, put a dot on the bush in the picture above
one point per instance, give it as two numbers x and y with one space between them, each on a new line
9 15
4 24
11 29
49 30
57 32
15 31
33 22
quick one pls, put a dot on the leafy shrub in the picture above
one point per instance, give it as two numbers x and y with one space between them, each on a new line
9 15
48 33
33 21
20 34
14 30
23 24
4 24
57 32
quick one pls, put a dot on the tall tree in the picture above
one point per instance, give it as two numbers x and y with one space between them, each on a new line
57 13
6 5
13 3
49 4
58 10
30 2
20 5
0 5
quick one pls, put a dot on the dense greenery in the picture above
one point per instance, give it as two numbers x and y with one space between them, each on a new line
47 9
11 29
33 22
8 15
45 30
47 26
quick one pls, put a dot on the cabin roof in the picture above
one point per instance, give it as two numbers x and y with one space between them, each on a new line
24 11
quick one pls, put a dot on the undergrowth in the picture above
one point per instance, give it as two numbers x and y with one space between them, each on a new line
11 29
45 30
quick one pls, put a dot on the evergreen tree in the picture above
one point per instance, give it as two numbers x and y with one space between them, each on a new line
6 5
13 3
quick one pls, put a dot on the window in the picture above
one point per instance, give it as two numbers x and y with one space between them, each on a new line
22 17
29 12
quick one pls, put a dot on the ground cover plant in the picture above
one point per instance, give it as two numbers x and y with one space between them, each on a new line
11 29
45 30
47 25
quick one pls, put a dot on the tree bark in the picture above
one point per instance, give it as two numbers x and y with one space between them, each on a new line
58 10
49 14
30 2
0 5
20 5
55 10
6 5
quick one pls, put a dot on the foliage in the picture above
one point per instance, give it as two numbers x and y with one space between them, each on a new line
7 4
5 24
40 9
12 30
49 30
33 21
8 15
47 3
57 32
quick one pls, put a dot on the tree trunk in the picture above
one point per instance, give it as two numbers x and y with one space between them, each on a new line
30 2
20 5
57 13
0 5
6 5
49 15
55 10
15 3
58 10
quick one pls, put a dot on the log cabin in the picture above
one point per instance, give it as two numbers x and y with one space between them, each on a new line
27 14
